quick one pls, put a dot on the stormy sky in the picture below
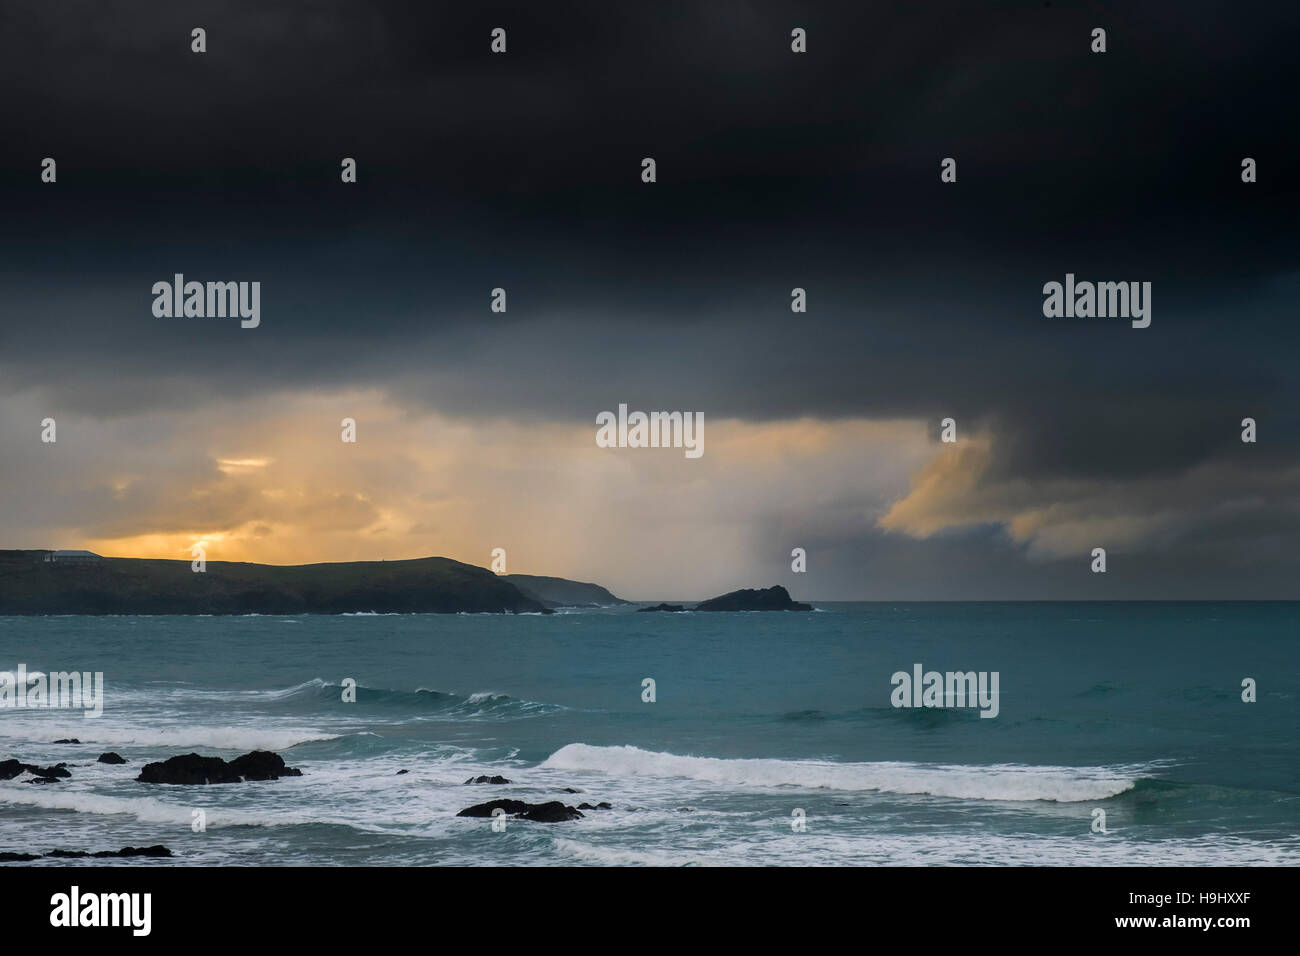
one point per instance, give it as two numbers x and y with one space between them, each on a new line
775 170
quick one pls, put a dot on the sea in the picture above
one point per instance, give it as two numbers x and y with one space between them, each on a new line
1122 737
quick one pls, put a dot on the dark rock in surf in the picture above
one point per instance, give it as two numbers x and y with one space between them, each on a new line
14 768
68 740
662 607
189 769
486 779
263 765
485 809
192 769
551 812
156 851
111 757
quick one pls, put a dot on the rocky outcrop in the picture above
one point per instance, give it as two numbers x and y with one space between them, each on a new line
662 607
13 768
111 757
157 850
192 769
754 599
189 769
263 765
551 812
486 779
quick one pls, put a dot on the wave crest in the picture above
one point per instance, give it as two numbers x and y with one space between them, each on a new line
1008 782
483 705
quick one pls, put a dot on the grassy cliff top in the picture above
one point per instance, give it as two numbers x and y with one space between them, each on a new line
30 585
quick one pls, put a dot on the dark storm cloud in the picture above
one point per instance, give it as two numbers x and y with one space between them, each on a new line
775 171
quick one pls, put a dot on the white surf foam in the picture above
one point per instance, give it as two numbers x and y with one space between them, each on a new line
243 739
153 810
1010 782
619 856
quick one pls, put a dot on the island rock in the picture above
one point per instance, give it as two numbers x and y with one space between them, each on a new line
754 599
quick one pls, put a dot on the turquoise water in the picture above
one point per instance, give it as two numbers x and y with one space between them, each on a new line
1134 709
